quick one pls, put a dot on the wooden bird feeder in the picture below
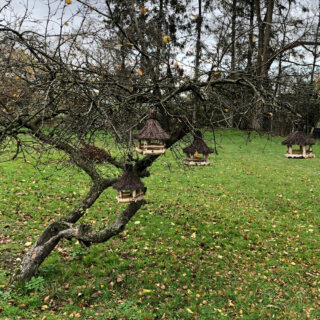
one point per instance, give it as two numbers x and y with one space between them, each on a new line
129 187
299 138
151 138
198 152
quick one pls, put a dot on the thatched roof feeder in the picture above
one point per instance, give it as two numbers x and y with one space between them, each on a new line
198 152
300 139
151 138
129 187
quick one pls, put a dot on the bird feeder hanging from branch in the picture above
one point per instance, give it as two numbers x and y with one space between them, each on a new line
151 138
198 152
129 187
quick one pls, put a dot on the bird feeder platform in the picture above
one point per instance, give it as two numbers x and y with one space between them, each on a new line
150 147
151 138
198 152
130 188
130 196
197 161
302 153
300 139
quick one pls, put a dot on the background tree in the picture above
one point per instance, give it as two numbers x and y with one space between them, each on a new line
92 71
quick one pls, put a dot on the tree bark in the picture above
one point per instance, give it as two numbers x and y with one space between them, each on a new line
250 37
197 57
63 229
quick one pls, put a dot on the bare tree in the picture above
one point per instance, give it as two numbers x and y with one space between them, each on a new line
99 72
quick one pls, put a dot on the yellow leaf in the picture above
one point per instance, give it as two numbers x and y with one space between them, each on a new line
44 307
119 45
190 311
28 244
194 16
143 10
217 73
270 114
166 39
293 263
130 44
146 291
226 110
254 39
68 1
193 235
140 72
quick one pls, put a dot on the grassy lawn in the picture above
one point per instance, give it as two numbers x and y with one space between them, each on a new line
237 240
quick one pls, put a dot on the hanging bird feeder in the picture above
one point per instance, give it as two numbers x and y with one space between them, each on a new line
198 152
151 138
299 138
129 187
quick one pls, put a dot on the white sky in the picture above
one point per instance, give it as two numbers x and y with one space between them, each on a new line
37 10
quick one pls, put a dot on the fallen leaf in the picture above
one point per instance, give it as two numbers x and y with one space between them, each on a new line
120 278
146 291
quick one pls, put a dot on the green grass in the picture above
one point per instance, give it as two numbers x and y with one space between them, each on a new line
236 240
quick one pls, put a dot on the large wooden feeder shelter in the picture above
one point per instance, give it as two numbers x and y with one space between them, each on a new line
129 187
151 138
198 152
300 139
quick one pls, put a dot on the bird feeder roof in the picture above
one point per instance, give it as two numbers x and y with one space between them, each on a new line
129 181
298 138
152 129
198 145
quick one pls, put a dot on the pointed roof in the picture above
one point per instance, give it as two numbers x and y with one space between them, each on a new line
152 129
198 145
298 138
129 180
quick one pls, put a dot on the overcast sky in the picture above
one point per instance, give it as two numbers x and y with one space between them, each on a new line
37 10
